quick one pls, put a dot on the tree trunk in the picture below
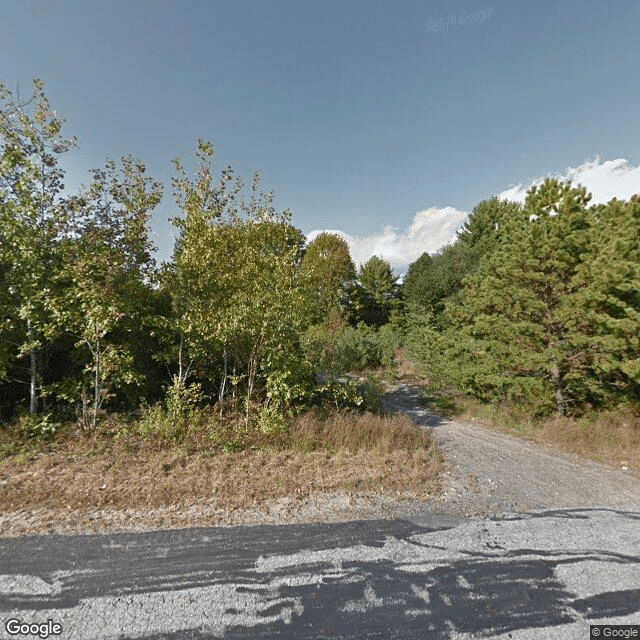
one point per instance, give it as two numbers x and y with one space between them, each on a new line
33 368
223 383
96 387
85 407
180 374
252 370
557 384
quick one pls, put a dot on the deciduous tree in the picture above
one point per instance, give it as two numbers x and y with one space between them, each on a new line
378 291
30 220
328 275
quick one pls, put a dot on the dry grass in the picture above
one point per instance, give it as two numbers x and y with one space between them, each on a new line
350 431
405 369
611 436
323 452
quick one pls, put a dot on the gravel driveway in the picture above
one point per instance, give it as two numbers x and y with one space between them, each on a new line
491 473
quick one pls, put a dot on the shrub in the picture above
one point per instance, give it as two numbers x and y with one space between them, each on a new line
358 348
39 426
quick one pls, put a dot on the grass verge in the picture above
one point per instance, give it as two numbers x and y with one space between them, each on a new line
121 468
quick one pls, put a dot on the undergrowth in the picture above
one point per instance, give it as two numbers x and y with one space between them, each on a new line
131 462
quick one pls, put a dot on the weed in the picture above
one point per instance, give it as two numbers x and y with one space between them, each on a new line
39 426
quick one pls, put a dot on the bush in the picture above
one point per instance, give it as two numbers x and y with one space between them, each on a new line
389 340
372 391
358 348
271 420
352 349
39 426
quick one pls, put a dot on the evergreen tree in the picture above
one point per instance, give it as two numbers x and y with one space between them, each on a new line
508 334
431 280
604 312
377 291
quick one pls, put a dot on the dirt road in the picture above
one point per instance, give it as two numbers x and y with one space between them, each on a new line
491 473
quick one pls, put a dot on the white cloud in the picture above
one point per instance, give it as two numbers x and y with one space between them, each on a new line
603 180
429 230
435 227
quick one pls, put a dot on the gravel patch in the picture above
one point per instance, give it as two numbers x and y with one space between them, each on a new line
490 473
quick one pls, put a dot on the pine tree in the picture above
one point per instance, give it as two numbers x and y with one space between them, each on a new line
604 312
377 291
508 334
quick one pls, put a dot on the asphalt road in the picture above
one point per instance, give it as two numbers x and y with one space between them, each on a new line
539 575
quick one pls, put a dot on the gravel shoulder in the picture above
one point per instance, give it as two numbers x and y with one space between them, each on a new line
487 473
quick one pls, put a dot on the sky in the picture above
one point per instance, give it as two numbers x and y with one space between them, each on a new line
385 121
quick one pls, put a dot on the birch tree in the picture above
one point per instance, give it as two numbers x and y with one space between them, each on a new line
31 219
107 269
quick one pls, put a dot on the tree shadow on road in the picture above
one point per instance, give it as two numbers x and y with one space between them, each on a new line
350 580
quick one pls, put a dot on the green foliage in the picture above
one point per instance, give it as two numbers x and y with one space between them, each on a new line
431 280
604 312
171 421
378 291
537 305
327 275
358 348
103 281
340 392
550 319
271 420
31 219
389 339
372 390
235 291
39 426
332 352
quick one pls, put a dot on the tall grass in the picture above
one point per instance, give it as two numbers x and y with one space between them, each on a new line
351 431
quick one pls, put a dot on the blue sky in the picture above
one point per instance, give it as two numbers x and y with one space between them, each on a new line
387 121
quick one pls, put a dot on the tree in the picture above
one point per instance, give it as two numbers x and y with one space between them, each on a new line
508 335
107 270
234 285
431 280
328 275
604 312
202 203
378 291
30 219
483 230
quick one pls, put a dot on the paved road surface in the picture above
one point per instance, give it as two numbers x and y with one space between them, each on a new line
542 575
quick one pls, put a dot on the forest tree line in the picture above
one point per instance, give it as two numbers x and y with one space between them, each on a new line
537 304
246 311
